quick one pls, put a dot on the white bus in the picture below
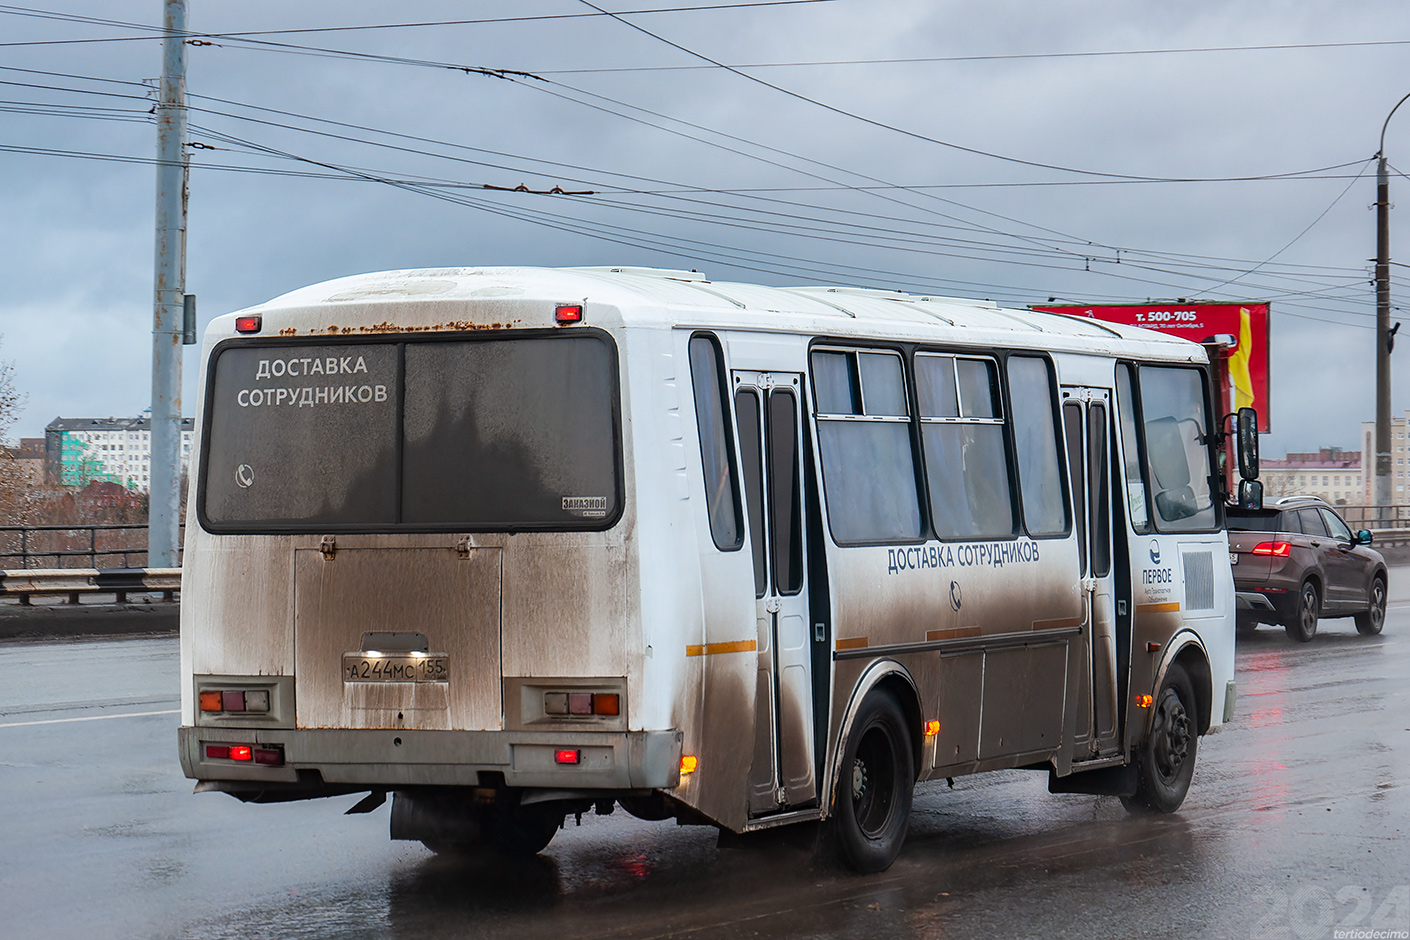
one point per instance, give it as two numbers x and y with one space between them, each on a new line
510 544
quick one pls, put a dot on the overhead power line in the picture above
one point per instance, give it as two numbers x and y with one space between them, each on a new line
827 225
994 57
713 63
1053 250
878 123
157 31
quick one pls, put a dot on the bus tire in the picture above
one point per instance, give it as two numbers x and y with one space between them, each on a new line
872 798
1166 761
502 834
521 834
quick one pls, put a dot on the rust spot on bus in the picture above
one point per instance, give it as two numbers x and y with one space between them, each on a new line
449 326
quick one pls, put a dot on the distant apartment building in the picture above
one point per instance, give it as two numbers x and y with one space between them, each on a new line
79 451
1399 453
29 461
1331 473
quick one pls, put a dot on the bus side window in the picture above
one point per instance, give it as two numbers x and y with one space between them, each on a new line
864 436
1177 452
1135 480
751 456
716 446
1039 466
966 460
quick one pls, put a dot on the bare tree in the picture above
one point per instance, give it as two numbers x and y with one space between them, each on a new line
11 485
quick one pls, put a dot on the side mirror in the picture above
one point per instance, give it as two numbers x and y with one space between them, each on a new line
1251 495
1247 423
1364 537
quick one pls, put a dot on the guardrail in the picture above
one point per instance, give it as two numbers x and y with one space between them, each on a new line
73 582
1375 518
121 544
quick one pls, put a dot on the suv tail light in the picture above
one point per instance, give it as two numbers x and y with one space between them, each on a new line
1280 549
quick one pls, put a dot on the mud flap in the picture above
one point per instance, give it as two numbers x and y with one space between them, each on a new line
1108 781
445 817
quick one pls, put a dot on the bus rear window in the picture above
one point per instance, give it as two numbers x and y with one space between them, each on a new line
427 435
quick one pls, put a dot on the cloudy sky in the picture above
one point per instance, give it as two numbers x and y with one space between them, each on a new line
1089 151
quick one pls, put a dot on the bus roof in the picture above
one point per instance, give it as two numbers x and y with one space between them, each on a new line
386 302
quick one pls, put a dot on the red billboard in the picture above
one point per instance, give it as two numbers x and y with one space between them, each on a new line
1247 323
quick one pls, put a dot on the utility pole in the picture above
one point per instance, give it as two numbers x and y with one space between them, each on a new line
1381 492
164 493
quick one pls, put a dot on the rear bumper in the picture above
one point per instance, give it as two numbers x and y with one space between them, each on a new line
391 758
1257 602
1253 601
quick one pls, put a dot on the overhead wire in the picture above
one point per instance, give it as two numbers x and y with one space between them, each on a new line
883 124
616 16
912 189
577 179
682 246
1006 250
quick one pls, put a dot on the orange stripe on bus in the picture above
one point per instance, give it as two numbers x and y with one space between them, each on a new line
853 643
1157 608
733 646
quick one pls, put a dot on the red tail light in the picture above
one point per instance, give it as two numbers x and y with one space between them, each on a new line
568 756
269 756
1281 549
247 324
568 313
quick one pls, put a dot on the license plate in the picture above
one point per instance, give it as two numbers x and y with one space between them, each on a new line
396 667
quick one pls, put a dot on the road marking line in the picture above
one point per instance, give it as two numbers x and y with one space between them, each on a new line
64 721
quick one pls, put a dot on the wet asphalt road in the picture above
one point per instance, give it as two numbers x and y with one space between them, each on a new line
1296 826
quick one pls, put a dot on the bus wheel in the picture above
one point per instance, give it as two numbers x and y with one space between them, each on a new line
515 834
521 834
872 803
1166 761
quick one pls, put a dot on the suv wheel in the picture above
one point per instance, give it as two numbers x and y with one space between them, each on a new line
1303 626
1370 621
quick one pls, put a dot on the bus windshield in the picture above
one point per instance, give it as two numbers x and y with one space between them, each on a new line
426 435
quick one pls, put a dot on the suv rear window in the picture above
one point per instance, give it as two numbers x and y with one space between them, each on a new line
411 433
1251 520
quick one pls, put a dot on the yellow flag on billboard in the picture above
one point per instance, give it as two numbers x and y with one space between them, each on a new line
1238 362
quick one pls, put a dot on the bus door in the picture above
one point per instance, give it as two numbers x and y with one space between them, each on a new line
768 411
1086 421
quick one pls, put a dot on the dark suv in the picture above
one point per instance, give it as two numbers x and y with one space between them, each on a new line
1295 560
